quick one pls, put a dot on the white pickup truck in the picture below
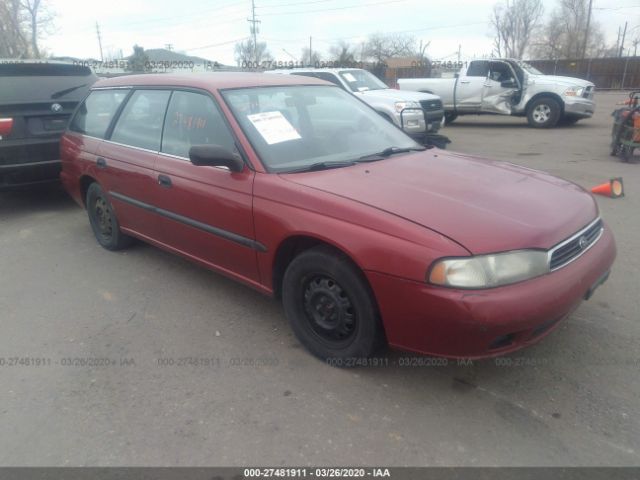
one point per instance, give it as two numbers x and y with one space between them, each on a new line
418 114
509 87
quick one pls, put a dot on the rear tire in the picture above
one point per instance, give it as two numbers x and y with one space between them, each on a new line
103 220
544 113
331 308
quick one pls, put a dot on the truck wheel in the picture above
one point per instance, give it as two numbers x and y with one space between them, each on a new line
330 306
449 117
567 121
544 113
103 220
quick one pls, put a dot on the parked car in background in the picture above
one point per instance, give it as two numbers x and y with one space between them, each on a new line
418 114
510 87
296 188
37 99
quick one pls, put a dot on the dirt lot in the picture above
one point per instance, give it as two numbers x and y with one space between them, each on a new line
574 399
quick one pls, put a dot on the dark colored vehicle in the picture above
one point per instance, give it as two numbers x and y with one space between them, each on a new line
296 188
36 102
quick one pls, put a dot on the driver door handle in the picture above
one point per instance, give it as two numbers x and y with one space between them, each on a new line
465 81
164 181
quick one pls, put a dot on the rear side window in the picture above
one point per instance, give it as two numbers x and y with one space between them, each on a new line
140 124
478 68
96 112
194 119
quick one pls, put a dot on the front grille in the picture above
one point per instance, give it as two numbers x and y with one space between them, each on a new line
588 92
575 246
431 105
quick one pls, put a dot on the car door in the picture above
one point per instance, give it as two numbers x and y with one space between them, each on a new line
205 212
127 160
470 85
500 87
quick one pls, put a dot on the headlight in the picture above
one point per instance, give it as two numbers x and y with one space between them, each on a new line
574 91
487 271
402 105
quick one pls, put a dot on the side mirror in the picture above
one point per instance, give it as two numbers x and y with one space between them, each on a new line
509 84
215 156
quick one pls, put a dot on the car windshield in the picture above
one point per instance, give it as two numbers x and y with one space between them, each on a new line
528 68
361 80
293 128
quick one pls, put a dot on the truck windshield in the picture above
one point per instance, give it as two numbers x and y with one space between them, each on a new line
297 127
529 69
361 80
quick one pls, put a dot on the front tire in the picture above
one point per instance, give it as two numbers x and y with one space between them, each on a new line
330 306
102 218
544 113
449 117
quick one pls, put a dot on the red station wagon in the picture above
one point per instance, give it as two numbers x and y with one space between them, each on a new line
296 188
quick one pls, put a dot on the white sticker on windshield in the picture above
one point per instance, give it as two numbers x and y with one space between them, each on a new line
349 77
363 89
273 127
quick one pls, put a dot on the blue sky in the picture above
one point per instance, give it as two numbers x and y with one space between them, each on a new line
210 28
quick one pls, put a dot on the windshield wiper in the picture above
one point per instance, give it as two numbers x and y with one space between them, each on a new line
62 93
322 166
387 152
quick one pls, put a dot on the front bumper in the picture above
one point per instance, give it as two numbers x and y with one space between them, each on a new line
418 123
483 323
29 161
579 107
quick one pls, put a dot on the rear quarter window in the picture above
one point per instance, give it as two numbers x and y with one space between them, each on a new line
94 115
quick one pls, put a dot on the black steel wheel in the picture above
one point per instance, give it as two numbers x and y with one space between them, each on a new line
330 306
103 220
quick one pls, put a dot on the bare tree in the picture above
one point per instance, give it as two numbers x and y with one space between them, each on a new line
247 53
342 53
564 34
312 59
513 23
380 46
13 31
39 19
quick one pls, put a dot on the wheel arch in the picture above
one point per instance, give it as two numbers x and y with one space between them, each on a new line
85 182
540 95
292 246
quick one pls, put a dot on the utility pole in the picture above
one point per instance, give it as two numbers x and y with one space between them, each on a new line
586 31
459 52
169 46
624 34
254 30
99 41
310 53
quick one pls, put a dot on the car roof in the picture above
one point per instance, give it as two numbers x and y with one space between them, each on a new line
289 71
208 81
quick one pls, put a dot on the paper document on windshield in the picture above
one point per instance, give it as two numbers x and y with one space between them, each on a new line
273 127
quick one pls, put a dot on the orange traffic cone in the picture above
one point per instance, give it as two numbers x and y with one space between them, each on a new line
612 189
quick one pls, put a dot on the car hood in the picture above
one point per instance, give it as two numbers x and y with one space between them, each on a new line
486 206
558 80
397 95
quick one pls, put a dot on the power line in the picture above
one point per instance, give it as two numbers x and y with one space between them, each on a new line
294 4
333 9
214 44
